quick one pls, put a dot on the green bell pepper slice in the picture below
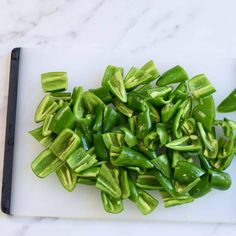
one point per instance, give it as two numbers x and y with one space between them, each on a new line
180 93
58 96
130 139
150 68
188 126
200 86
129 157
45 107
91 101
150 140
219 179
144 123
107 183
162 134
228 104
185 188
176 157
84 140
168 111
78 103
103 93
67 178
91 172
202 188
108 74
155 117
112 138
81 160
173 75
65 144
86 181
186 172
110 119
64 118
124 184
120 106
45 141
117 87
46 125
204 112
150 154
136 102
111 204
54 81
100 147
98 120
45 163
162 164
148 182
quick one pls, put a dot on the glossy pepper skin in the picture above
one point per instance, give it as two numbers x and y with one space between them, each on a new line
228 104
173 75
45 107
45 163
100 147
65 144
91 101
110 119
200 86
78 103
103 93
109 72
63 119
54 81
98 120
204 112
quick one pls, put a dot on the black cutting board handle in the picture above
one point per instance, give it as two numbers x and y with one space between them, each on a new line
10 132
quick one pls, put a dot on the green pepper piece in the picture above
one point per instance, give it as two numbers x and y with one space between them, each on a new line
143 90
45 163
65 144
150 68
200 86
116 86
81 160
162 164
187 108
176 157
219 180
67 178
116 139
186 172
86 181
124 184
78 103
176 126
162 134
123 108
110 119
148 182
85 125
170 201
169 110
135 77
98 121
189 126
134 170
204 112
129 157
102 93
46 106
158 96
150 140
43 140
173 75
145 203
186 188
228 104
202 188
144 123
54 81
180 93
182 144
150 154
166 183
64 96
84 140
111 204
130 139
133 124
46 124
107 183
109 72
64 118
100 148
91 101
91 172
155 117
135 102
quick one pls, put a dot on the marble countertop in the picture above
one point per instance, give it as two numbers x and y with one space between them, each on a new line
200 26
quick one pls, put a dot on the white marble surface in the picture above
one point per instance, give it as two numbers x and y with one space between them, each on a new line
163 25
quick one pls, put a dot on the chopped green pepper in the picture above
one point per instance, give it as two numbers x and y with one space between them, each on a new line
228 104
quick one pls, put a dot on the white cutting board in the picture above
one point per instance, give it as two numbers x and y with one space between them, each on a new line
32 196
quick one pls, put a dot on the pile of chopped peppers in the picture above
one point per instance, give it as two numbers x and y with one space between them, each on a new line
132 136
